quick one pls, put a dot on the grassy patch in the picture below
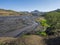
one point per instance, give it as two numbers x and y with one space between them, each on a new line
41 33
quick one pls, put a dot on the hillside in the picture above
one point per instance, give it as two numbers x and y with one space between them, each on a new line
24 40
4 12
8 12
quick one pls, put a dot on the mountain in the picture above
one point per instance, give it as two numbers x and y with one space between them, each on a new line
37 13
57 10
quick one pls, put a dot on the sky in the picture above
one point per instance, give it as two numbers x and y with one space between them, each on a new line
30 5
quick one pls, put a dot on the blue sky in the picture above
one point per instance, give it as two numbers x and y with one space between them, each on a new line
30 5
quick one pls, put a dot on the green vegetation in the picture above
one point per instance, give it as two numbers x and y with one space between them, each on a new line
43 33
53 19
50 22
43 22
